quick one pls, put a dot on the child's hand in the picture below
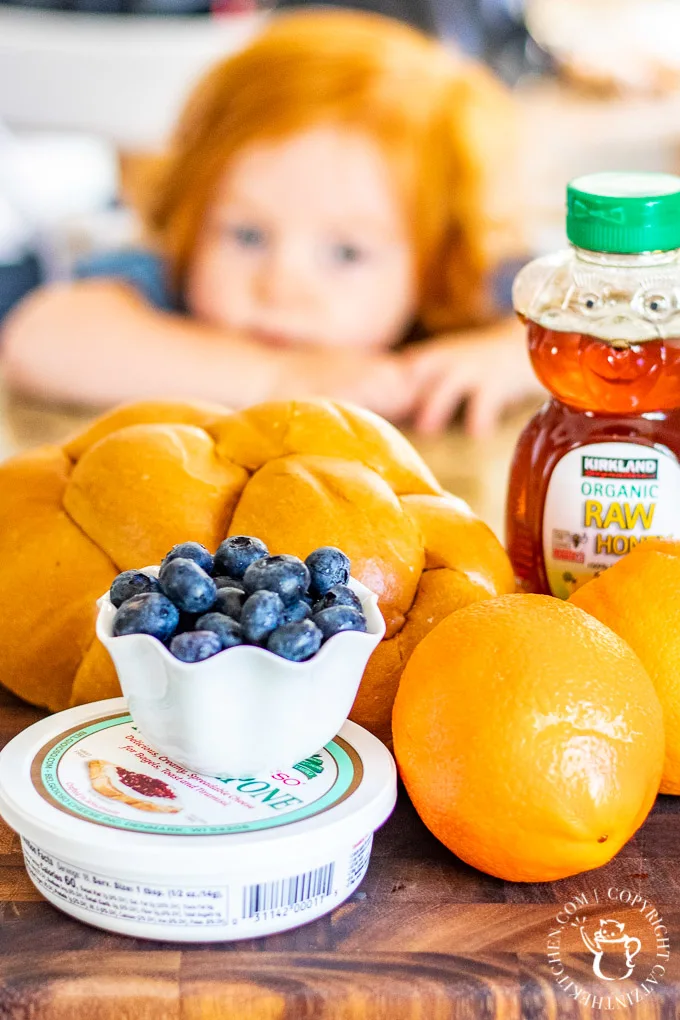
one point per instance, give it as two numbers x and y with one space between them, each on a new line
489 369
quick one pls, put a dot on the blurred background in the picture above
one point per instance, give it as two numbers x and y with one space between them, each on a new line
90 88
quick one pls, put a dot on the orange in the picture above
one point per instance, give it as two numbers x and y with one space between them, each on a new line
639 598
529 737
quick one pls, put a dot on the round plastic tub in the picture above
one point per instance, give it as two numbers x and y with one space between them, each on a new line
117 835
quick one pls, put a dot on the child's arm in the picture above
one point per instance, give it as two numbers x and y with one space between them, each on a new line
98 342
489 368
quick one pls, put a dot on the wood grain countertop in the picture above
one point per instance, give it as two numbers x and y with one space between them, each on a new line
425 937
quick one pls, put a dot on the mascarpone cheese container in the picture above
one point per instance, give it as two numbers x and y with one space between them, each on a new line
117 835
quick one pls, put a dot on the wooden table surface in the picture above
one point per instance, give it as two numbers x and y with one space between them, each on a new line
425 937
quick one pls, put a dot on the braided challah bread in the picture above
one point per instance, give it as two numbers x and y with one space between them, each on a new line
296 474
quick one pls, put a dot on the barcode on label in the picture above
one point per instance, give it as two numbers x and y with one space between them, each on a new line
286 892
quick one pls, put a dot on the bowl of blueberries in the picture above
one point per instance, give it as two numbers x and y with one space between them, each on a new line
240 662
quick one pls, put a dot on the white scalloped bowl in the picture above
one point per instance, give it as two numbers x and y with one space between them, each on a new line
244 710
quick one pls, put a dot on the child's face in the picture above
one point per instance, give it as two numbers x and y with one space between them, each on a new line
307 243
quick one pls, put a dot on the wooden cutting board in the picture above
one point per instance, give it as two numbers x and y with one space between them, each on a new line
424 938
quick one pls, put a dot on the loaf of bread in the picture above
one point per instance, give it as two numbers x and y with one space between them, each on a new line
296 474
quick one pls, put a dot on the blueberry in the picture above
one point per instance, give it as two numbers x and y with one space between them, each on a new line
235 555
297 611
188 585
328 566
228 630
195 645
229 601
286 575
295 641
191 551
261 614
339 595
337 618
151 613
130 583
229 582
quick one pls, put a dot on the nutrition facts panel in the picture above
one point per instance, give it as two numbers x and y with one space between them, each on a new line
146 903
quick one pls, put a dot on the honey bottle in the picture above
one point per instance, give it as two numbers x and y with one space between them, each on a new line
596 470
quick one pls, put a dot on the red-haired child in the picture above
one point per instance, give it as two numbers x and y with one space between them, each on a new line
329 220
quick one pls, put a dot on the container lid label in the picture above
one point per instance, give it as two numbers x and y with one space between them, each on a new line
105 772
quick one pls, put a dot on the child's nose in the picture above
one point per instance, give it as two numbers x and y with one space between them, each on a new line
285 277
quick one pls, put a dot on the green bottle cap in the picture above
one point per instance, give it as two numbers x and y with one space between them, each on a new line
626 213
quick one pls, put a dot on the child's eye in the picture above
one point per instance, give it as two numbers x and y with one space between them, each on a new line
347 253
247 237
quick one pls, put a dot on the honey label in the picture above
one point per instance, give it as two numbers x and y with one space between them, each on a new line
603 500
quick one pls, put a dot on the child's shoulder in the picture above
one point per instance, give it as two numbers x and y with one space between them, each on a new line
142 268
